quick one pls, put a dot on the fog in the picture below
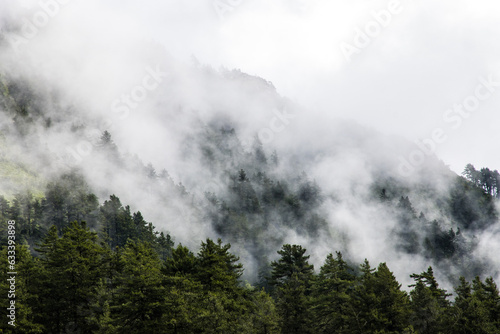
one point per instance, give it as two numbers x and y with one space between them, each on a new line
155 74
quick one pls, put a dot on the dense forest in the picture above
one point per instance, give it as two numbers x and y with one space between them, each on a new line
88 263
90 268
80 282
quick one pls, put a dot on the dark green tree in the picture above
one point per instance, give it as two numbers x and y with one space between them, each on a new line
429 304
333 296
226 307
139 304
73 268
118 223
217 268
468 315
165 245
491 301
24 294
381 306
265 316
291 281
181 263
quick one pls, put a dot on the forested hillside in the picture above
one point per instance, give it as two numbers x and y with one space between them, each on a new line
78 283
89 263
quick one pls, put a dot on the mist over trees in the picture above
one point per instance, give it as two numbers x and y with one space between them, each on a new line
484 178
240 235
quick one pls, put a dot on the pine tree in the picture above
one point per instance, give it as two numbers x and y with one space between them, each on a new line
4 207
139 302
469 314
73 266
224 302
181 263
485 302
393 303
242 176
380 305
265 316
109 148
291 280
491 301
24 295
184 305
118 223
429 304
217 268
165 244
332 296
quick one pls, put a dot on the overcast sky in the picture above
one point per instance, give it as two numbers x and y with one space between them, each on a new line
395 66
400 75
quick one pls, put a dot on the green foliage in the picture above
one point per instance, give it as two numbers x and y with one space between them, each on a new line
117 222
392 303
292 263
69 199
181 263
379 305
130 278
72 269
471 206
79 285
407 229
25 295
120 225
116 274
429 303
474 309
484 178
216 268
138 301
265 317
333 296
291 279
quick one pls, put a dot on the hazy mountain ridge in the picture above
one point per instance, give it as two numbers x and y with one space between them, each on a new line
257 197
249 167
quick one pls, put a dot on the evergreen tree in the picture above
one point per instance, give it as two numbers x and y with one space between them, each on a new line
472 174
291 280
108 148
165 244
181 263
265 316
138 303
258 150
491 300
73 267
381 306
225 303
487 300
24 293
429 304
393 303
184 305
217 268
468 315
332 296
118 223
4 207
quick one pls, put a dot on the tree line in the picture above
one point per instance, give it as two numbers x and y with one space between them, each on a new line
77 283
485 178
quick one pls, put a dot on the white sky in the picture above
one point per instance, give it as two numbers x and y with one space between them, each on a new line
426 59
